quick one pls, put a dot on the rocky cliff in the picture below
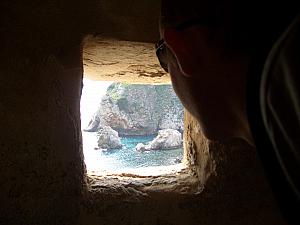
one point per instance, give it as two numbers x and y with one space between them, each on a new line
137 109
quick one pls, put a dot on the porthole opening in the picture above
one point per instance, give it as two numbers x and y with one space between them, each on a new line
132 121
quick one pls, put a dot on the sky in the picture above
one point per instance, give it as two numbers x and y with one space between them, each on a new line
92 93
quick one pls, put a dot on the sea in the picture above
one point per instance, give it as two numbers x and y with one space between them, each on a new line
126 158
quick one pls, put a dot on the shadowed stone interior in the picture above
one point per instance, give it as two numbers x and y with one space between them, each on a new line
43 178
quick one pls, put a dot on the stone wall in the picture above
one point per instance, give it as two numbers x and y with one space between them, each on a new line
42 179
42 169
42 165
225 185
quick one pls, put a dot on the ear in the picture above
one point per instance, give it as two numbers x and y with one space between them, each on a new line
178 43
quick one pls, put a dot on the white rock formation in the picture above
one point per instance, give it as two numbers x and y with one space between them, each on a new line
108 138
166 139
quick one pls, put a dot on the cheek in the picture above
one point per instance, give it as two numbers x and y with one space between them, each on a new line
176 82
182 88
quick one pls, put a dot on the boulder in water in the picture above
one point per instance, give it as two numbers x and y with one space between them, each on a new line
166 139
108 138
140 147
177 160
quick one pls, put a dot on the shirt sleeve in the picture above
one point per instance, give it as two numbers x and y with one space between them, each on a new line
280 104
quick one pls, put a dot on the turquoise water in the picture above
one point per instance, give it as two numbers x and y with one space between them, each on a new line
118 159
127 157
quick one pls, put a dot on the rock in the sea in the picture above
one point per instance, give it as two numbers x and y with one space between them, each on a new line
177 160
166 139
108 138
93 125
140 147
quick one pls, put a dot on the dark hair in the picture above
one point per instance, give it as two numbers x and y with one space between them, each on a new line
248 25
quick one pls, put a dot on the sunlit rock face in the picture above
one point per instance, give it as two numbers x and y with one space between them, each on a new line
123 61
108 138
166 139
133 109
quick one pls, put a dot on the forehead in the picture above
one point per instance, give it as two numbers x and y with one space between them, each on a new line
173 12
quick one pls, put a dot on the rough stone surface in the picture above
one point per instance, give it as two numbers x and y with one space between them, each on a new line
42 164
42 172
166 139
141 147
108 138
123 61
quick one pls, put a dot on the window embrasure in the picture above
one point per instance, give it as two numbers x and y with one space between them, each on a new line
131 118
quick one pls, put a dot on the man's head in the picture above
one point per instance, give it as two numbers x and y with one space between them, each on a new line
207 48
209 80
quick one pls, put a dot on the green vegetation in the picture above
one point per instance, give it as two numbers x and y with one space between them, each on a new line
122 103
113 91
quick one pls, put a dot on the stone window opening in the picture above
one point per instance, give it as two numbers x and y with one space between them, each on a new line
131 128
122 63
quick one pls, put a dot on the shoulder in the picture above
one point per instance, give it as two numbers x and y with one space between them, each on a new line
280 103
280 86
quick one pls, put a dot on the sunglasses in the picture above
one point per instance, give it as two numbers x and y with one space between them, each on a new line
161 48
161 54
